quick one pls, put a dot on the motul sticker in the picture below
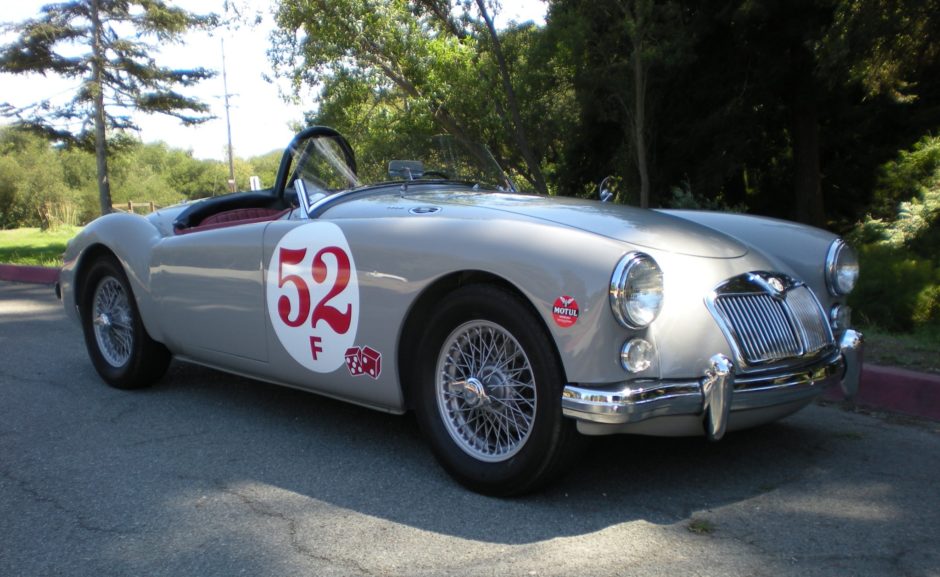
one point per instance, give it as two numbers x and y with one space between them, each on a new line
364 361
565 311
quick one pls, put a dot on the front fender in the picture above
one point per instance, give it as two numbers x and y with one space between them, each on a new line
130 238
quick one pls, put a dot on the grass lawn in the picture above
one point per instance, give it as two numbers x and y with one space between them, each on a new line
918 352
31 246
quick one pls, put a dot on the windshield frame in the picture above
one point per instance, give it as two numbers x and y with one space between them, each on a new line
287 170
319 164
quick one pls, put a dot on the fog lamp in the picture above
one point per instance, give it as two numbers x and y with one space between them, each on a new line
636 355
840 318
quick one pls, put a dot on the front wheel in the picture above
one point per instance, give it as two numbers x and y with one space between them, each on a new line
490 394
120 349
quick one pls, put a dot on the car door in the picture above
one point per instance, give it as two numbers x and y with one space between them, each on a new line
210 290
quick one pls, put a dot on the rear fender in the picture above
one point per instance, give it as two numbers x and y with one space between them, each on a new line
128 237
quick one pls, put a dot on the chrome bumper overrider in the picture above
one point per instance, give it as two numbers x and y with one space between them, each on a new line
717 393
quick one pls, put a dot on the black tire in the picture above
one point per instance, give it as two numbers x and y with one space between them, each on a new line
120 349
466 408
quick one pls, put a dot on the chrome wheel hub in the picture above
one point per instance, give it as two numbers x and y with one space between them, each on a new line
112 322
485 391
472 391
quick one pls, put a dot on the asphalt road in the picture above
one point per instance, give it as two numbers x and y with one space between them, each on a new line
208 474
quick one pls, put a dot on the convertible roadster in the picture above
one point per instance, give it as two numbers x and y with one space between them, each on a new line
512 324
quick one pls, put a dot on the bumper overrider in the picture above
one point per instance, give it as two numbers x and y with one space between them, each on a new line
717 393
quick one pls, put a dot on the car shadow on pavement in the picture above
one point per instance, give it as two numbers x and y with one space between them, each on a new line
378 464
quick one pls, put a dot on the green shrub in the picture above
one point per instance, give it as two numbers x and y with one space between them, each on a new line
905 177
684 198
927 308
897 291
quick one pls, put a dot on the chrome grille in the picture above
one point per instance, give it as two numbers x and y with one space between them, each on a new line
817 333
760 327
767 324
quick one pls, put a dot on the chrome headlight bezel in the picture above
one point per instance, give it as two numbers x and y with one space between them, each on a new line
636 290
841 268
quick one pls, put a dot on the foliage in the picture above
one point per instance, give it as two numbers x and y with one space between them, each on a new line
760 102
425 66
900 257
48 186
914 173
896 289
31 182
131 78
684 198
914 176
102 43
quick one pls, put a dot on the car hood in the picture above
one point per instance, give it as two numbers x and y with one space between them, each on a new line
640 227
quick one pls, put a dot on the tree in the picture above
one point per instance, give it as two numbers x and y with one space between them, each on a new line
115 66
424 57
621 50
32 185
786 106
515 116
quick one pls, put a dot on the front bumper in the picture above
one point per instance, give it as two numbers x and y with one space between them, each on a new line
717 393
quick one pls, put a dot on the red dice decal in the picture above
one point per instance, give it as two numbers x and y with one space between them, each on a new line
364 361
371 362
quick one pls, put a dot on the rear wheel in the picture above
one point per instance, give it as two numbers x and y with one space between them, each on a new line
490 396
120 349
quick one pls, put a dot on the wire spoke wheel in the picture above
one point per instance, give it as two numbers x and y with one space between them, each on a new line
486 391
489 400
119 346
112 318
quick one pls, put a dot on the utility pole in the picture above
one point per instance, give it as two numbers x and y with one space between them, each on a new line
228 125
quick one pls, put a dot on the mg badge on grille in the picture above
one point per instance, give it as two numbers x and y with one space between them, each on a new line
775 286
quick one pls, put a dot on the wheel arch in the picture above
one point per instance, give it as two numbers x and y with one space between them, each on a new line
129 239
409 338
88 257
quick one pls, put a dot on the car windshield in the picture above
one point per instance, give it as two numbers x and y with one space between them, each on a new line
325 167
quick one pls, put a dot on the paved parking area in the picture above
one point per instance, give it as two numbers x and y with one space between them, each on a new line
209 474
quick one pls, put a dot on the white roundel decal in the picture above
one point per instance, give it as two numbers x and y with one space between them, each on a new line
313 295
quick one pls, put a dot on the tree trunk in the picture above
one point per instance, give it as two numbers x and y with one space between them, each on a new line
518 131
101 144
807 181
804 135
639 125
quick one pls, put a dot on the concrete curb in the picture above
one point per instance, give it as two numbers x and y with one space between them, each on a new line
30 274
881 388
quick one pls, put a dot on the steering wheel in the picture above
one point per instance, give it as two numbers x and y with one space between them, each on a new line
436 173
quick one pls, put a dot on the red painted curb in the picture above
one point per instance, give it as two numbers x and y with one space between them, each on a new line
902 391
31 274
897 391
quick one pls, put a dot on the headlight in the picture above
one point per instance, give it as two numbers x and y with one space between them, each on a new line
841 268
636 290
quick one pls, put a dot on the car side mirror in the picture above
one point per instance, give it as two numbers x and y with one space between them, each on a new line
603 190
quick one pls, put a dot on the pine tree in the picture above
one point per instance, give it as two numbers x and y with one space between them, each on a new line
103 43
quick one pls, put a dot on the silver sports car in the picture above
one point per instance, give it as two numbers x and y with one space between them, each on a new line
512 324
